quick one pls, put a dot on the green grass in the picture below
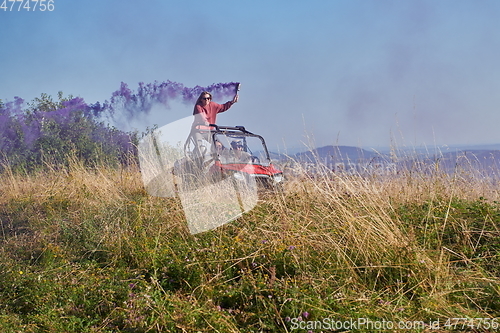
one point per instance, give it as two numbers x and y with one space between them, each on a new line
87 250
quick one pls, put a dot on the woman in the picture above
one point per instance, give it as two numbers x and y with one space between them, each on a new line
205 111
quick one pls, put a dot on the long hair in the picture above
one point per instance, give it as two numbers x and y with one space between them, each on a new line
201 95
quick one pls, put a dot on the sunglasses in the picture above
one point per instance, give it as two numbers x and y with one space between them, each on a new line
206 98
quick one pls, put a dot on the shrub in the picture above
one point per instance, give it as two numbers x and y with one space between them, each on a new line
48 132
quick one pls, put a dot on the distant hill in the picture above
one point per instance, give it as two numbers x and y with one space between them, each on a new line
361 159
338 154
486 160
477 147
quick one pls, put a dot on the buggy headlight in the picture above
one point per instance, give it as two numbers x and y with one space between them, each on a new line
278 178
239 176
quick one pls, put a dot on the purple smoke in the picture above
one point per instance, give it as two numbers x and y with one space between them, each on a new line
132 104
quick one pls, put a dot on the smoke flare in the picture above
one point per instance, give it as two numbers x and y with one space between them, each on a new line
133 104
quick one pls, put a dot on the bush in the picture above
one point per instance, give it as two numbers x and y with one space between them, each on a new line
49 132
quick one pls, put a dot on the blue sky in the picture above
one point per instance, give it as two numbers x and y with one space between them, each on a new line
349 72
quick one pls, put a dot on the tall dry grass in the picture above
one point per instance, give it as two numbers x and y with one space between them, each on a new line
407 245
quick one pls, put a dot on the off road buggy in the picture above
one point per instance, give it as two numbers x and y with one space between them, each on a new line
227 151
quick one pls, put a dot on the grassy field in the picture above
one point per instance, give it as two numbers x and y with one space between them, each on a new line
87 250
